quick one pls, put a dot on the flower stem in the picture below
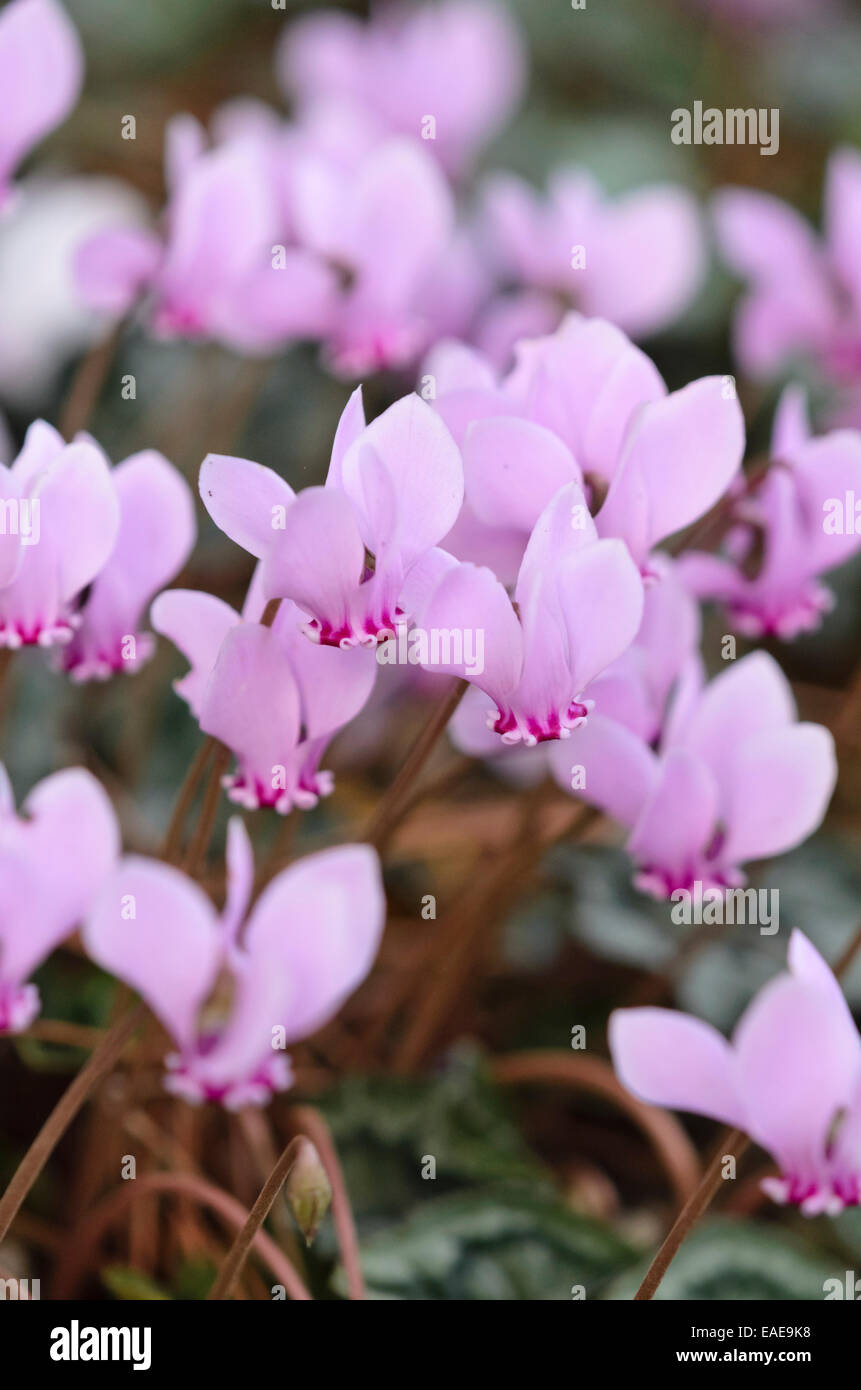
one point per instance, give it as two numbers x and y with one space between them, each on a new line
200 840
231 1212
389 811
733 1144
238 1253
100 1063
88 382
173 838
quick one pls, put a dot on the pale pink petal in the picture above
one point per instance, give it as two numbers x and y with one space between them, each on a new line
350 426
662 223
678 821
680 456
156 929
843 218
471 598
113 268
157 532
239 857
318 557
424 464
602 607
12 513
752 696
677 1061
762 238
41 74
252 705
791 426
320 923
245 500
777 790
197 624
513 468
619 770
798 1065
80 511
333 685
56 864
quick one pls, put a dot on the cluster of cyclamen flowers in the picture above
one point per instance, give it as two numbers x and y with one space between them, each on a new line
525 494
347 224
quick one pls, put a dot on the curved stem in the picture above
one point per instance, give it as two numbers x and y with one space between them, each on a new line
311 1122
185 797
732 1145
100 1063
389 811
88 382
102 1216
209 810
57 1030
238 1253
676 1153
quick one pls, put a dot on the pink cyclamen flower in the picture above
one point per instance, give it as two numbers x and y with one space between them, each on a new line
807 515
155 538
804 294
41 75
577 605
638 689
224 267
635 690
653 462
344 551
387 223
450 74
590 250
790 1078
235 989
62 517
736 778
53 861
274 698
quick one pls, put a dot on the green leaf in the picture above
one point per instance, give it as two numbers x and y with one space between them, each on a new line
385 1128
131 1285
735 1260
484 1245
194 1279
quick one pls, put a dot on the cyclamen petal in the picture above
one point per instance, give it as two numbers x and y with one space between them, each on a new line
791 1077
579 602
680 456
344 552
462 60
737 778
41 75
318 560
252 704
245 500
69 517
156 535
53 863
234 994
805 513
197 624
